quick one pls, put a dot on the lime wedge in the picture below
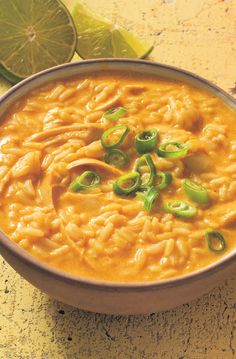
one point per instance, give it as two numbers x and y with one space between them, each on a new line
35 35
97 37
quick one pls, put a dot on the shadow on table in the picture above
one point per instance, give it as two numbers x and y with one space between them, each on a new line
206 328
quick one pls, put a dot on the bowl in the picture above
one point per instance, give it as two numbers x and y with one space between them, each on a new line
101 296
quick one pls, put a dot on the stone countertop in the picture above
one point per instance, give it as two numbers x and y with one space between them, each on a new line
199 36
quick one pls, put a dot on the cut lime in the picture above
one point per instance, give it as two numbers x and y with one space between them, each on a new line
4 85
35 35
97 37
9 76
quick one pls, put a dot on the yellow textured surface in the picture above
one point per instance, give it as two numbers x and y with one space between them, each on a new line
199 36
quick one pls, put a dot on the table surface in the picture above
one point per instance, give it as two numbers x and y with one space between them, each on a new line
199 36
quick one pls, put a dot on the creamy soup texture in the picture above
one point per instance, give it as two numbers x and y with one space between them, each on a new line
90 225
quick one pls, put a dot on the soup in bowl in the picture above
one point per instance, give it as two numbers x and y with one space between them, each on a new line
122 175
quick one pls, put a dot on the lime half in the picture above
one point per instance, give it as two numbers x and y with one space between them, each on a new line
97 37
8 75
35 35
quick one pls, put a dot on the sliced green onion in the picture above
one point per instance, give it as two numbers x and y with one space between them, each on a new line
114 113
195 191
172 150
146 141
215 240
180 209
140 195
149 200
163 180
110 139
146 160
86 180
116 158
127 184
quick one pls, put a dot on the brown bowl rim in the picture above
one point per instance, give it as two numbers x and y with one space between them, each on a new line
33 262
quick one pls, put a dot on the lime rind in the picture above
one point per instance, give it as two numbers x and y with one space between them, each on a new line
99 38
9 76
126 44
35 35
4 85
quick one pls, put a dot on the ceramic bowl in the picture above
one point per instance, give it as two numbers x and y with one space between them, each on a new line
100 296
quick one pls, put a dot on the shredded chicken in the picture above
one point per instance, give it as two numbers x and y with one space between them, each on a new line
95 163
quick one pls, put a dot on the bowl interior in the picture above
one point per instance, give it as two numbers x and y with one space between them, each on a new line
136 66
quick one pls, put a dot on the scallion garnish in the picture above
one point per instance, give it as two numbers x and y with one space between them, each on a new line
146 141
172 150
114 136
114 113
180 209
116 158
127 184
195 191
163 180
86 180
150 197
146 178
215 240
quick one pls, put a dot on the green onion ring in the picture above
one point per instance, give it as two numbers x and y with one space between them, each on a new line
86 180
180 208
149 200
140 195
163 180
116 158
146 141
195 191
180 151
114 113
152 169
210 234
133 179
108 132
